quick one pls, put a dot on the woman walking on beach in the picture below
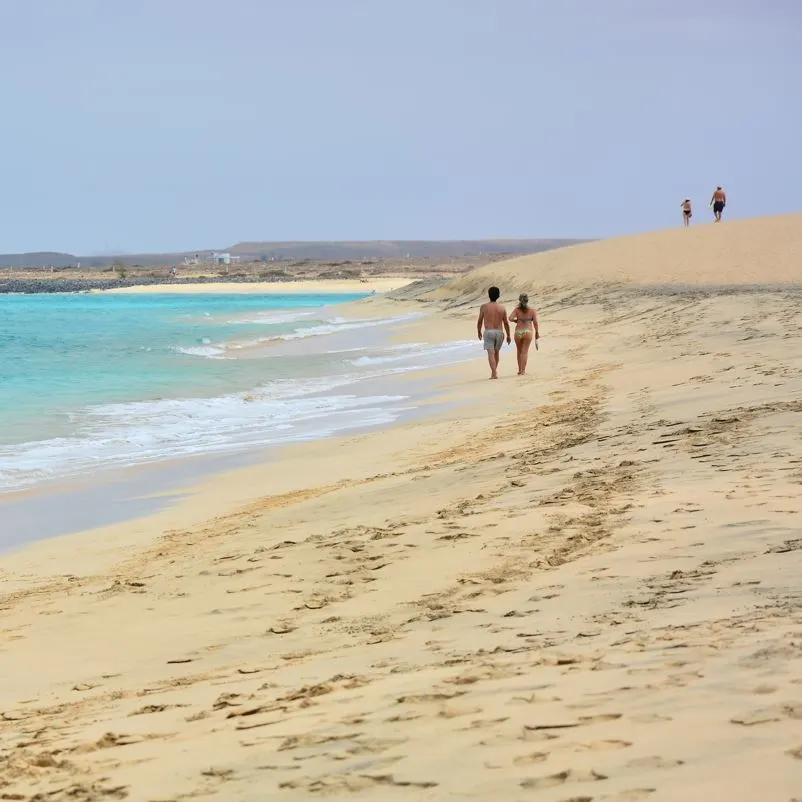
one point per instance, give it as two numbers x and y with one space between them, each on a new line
526 330
687 213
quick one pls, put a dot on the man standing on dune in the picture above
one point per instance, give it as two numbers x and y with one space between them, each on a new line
494 317
718 202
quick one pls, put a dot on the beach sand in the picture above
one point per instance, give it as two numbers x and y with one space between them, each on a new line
581 584
304 286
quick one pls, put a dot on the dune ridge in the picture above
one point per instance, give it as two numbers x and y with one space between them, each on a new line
756 251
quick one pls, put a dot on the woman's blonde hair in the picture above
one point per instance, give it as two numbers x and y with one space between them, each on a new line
523 300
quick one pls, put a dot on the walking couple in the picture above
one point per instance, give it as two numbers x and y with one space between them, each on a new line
493 316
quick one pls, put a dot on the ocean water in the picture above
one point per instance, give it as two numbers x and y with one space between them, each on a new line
94 381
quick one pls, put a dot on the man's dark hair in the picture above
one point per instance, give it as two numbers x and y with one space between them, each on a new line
493 293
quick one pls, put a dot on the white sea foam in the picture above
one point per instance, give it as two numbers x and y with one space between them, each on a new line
275 318
209 351
318 328
119 435
339 324
280 411
437 353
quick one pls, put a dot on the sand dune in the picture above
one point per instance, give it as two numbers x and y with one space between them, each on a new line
582 584
757 251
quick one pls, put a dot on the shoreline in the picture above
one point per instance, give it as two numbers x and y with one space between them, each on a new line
588 575
123 491
300 287
60 286
132 494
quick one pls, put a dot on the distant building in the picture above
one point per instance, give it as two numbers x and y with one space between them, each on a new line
224 258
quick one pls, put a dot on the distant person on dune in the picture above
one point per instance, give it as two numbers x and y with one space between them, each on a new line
494 318
526 330
687 212
718 202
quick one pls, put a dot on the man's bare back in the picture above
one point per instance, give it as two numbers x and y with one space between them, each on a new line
493 315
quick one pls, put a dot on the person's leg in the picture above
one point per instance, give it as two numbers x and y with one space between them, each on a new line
491 360
497 354
519 344
492 355
526 342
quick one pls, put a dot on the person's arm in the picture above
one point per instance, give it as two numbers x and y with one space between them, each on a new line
724 198
534 323
514 315
506 325
480 321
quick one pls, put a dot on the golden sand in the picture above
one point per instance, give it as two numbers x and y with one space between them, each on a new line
582 584
314 286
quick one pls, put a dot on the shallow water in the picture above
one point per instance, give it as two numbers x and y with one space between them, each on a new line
91 381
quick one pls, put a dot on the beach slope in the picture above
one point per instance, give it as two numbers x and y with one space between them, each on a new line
756 251
581 584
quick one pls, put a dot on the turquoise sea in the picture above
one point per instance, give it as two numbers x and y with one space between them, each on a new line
94 381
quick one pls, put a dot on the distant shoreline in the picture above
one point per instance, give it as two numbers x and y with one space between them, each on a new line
283 253
300 286
203 285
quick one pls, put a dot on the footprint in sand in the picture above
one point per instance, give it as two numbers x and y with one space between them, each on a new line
583 720
450 711
602 746
483 723
650 718
768 715
532 757
568 776
631 795
598 719
654 762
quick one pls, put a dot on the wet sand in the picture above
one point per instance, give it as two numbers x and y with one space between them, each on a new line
583 585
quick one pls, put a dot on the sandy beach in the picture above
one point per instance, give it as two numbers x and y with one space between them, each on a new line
373 284
583 584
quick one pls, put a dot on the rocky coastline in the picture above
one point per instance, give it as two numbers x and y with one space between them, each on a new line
72 285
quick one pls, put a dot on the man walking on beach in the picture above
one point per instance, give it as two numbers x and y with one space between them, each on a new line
494 317
718 201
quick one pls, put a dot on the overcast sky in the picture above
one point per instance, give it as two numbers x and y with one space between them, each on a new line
155 125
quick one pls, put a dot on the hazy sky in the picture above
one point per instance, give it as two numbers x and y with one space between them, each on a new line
157 125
